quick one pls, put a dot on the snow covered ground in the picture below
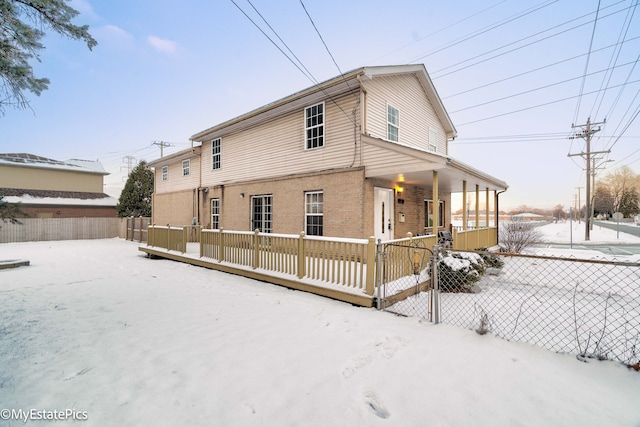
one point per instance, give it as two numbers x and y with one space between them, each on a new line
95 329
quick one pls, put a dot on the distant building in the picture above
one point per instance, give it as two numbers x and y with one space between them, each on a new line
528 217
50 188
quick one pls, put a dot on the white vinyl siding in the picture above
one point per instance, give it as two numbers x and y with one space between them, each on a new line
172 184
418 116
281 151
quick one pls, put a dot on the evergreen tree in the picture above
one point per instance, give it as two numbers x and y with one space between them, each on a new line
9 212
21 28
135 199
629 203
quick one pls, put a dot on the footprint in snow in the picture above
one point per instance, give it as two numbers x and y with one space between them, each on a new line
375 405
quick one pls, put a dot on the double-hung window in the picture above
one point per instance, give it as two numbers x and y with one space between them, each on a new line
261 216
215 214
433 140
186 167
393 123
313 213
428 210
314 126
215 153
165 173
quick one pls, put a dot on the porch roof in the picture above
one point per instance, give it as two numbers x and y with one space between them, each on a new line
415 166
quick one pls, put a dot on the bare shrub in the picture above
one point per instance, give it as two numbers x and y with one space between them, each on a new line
517 235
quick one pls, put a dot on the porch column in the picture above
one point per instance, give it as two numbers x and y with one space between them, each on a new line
465 217
477 206
435 204
486 209
495 208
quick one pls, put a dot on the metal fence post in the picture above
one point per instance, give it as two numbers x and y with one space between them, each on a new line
436 284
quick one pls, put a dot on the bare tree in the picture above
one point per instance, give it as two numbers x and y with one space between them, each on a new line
517 235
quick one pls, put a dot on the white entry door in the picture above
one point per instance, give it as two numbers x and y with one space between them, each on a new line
383 213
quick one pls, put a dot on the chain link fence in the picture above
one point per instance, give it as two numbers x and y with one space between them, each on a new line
589 308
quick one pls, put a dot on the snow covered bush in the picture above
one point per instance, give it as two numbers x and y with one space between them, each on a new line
458 271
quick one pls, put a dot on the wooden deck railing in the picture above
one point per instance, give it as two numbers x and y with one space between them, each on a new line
347 264
475 239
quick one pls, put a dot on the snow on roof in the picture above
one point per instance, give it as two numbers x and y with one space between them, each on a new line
49 197
31 160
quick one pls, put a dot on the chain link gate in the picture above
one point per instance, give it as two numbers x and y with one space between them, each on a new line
407 279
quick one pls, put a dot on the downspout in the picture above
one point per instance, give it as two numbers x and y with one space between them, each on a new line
199 221
498 215
363 114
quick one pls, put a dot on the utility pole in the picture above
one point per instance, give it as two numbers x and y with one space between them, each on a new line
162 145
587 130
579 207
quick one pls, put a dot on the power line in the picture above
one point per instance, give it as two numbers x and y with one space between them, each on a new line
482 31
533 70
586 68
537 89
535 106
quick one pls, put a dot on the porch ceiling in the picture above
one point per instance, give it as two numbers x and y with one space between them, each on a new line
416 166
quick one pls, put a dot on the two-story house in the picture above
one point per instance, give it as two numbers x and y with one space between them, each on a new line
363 154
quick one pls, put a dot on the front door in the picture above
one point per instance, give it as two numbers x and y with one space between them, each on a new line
383 213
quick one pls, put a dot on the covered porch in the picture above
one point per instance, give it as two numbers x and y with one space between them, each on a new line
421 177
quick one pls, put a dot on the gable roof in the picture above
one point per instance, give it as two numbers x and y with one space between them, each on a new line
34 161
344 83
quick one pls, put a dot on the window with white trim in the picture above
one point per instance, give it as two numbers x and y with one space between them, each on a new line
186 167
215 214
433 140
313 213
428 213
393 123
215 153
314 126
165 173
261 216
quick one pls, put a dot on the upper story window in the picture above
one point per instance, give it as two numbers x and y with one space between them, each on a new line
393 123
165 173
215 153
313 213
433 140
186 167
314 126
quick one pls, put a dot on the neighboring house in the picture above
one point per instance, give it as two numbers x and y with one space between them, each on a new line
50 188
363 154
527 216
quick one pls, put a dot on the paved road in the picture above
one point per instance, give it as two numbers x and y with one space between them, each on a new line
628 228
617 249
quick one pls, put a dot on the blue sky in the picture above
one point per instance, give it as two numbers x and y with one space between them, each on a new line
510 73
